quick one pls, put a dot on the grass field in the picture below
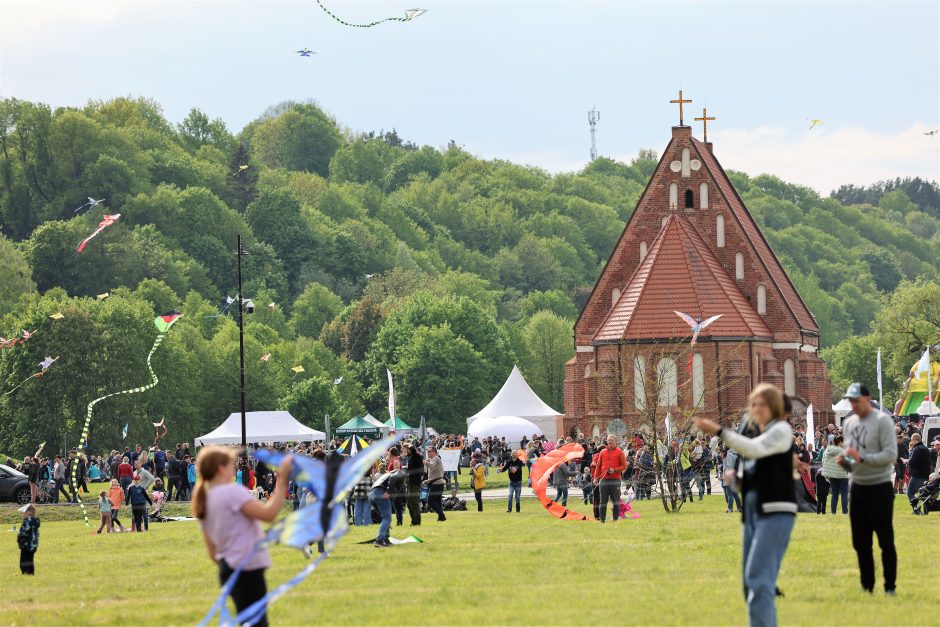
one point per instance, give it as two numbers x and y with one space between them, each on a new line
489 568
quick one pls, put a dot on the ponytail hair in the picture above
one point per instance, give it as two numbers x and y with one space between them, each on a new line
208 463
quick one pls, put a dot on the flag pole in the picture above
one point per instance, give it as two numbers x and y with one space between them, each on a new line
880 399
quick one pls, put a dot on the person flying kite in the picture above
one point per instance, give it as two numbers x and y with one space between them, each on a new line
106 221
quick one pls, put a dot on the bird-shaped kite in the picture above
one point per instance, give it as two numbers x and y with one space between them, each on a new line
106 221
410 14
44 365
697 324
57 315
306 52
337 381
24 336
321 518
91 204
266 357
814 123
932 133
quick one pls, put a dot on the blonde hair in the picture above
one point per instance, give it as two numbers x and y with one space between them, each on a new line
771 395
208 463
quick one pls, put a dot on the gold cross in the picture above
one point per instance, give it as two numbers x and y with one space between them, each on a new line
680 102
704 120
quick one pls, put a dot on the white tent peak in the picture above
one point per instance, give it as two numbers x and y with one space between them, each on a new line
516 398
261 426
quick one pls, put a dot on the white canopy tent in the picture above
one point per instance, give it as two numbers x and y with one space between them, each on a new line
512 428
261 426
378 424
517 399
842 408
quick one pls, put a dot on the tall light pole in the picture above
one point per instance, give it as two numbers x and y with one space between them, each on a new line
241 346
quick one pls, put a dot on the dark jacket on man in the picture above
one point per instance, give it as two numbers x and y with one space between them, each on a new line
919 463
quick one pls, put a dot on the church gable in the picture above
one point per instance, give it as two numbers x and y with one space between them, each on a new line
689 182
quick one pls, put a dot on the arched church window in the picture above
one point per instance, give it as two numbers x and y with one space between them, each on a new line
761 299
673 195
668 382
720 230
643 251
698 380
703 195
739 267
689 200
789 378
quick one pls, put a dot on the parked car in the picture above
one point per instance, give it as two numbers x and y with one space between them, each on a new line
14 486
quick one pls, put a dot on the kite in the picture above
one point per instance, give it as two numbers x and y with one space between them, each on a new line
272 306
337 381
44 365
541 474
306 52
814 123
932 133
228 303
697 324
24 336
91 204
157 435
163 323
266 357
124 432
102 296
297 370
106 221
410 14
39 450
57 315
241 169
321 518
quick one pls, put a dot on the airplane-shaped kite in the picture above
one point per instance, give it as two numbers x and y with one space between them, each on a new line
306 52
697 324
106 221
91 204
932 133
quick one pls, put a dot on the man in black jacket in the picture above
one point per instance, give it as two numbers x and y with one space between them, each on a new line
918 467
415 475
173 468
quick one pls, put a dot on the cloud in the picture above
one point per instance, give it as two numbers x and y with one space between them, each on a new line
826 158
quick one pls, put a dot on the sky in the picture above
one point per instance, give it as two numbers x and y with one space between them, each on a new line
514 80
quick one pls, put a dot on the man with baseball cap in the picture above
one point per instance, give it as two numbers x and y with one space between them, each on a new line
869 456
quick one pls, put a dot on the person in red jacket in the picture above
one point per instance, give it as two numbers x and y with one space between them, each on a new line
610 463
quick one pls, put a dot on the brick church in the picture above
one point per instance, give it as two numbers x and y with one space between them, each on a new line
691 246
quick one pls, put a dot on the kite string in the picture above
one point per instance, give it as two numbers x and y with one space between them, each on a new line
90 411
369 25
253 613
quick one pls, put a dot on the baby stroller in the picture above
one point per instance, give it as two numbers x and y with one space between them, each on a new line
927 498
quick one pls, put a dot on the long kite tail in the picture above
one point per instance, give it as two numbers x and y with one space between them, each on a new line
23 382
369 25
253 613
91 406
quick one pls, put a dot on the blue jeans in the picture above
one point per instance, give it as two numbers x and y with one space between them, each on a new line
839 487
561 495
732 498
515 487
385 509
363 513
765 541
913 486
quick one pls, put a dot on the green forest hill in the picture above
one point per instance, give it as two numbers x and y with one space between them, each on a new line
364 252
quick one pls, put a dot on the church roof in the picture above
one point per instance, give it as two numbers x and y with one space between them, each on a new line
680 273
764 253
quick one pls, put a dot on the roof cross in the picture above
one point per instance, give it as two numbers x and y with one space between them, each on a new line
704 120
680 102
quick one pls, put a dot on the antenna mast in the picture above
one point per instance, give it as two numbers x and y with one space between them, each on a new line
593 117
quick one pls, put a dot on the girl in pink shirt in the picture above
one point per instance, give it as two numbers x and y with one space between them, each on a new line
231 522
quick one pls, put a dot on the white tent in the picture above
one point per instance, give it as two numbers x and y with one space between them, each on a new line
261 426
512 428
378 424
842 408
516 398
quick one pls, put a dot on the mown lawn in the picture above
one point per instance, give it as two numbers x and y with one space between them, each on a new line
489 568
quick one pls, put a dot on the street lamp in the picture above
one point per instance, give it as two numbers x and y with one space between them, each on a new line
241 344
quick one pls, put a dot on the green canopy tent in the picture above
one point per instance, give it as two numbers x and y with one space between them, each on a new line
359 426
398 425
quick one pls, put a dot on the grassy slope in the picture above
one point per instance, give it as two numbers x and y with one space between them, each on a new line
489 568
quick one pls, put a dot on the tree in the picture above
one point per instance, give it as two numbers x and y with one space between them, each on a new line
316 306
276 219
241 183
555 301
907 324
547 347
16 279
302 138
885 269
310 400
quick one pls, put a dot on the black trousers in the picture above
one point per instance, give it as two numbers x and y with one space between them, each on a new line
414 504
871 510
171 483
398 506
435 490
249 587
138 512
27 567
822 493
60 488
478 495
